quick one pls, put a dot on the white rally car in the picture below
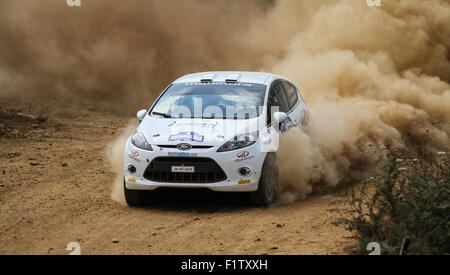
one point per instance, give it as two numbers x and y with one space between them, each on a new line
215 130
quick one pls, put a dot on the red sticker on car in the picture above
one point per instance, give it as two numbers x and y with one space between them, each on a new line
243 154
304 118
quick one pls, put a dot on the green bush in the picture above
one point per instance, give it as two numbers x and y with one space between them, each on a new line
400 204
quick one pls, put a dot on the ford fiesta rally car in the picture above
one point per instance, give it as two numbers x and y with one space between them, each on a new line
214 130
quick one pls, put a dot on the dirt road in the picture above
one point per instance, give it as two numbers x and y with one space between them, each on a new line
55 188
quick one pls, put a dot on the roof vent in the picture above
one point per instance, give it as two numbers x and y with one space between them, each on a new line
207 78
232 78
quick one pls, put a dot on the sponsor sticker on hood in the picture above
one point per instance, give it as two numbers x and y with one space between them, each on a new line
187 136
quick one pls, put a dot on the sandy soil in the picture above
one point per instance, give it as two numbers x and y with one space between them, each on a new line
55 189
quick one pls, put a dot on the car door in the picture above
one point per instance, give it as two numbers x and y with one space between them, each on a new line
298 112
277 98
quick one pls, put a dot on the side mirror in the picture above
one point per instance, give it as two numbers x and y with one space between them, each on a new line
141 114
279 117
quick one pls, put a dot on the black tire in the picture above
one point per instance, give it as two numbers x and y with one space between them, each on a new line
134 198
268 183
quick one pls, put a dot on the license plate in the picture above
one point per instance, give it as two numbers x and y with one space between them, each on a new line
183 169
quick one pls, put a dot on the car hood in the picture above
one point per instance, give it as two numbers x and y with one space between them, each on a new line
166 131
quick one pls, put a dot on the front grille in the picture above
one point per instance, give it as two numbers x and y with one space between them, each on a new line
206 170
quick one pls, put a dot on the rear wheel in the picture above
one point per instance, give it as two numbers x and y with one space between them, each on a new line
268 183
134 198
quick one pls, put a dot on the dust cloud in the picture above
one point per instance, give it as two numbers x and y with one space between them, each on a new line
114 155
119 51
375 78
376 81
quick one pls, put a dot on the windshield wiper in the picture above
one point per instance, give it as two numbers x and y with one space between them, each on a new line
162 114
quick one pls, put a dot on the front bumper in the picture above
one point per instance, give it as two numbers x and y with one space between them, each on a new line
230 163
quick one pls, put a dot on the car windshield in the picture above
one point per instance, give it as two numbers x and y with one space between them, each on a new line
211 100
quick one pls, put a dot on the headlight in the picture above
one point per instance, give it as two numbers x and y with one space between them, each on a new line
239 142
139 141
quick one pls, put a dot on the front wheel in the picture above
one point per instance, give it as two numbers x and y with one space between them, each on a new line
268 183
133 198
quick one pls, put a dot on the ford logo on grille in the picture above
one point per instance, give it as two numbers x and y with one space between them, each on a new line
184 147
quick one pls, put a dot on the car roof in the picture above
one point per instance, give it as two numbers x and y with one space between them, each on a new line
222 76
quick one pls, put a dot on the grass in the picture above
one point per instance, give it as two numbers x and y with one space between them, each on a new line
412 203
